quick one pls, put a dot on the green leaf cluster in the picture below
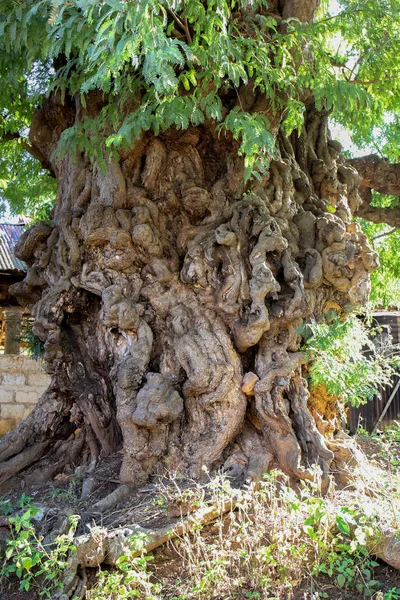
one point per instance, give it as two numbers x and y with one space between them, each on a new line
25 187
358 73
385 282
28 559
33 346
156 64
345 357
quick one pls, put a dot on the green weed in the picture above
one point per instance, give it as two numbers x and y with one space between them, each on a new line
28 559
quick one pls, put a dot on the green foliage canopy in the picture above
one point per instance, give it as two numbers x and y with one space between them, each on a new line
163 63
24 185
385 282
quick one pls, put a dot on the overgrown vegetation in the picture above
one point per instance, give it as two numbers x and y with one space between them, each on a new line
385 281
34 563
274 542
387 444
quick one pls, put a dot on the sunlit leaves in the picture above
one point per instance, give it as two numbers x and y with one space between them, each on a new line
164 63
24 185
257 143
178 54
359 47
386 280
344 359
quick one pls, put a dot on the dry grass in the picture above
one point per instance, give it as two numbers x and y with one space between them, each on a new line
273 542
270 541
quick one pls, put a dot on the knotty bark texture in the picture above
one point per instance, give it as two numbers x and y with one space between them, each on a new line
169 297
384 177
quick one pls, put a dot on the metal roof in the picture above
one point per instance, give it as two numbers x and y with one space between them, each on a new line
9 236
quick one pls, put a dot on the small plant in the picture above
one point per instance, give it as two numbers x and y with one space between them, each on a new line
130 579
160 502
70 492
171 493
393 594
25 501
346 558
388 443
30 342
27 557
6 507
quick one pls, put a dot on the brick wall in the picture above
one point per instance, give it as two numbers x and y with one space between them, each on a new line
22 382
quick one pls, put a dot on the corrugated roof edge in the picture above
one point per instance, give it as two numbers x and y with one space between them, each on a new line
9 236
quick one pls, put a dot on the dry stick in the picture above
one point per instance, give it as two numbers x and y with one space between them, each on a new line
388 403
384 234
94 550
203 517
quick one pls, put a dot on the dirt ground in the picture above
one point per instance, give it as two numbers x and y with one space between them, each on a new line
147 508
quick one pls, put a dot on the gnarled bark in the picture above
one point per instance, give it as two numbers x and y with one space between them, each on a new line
384 177
169 298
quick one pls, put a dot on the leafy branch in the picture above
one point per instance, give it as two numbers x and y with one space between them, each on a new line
349 359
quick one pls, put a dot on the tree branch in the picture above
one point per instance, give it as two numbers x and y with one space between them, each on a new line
384 177
340 15
182 24
376 214
381 235
303 10
373 81
378 174
32 150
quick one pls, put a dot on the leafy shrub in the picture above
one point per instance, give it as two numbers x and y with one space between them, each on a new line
34 564
343 357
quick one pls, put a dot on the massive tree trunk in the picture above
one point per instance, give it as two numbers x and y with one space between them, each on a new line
169 296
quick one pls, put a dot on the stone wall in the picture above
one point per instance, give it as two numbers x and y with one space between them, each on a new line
22 382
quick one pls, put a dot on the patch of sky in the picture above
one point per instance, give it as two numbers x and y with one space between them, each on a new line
338 132
7 217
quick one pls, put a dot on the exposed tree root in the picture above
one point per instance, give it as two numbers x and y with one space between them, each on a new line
102 547
22 460
122 492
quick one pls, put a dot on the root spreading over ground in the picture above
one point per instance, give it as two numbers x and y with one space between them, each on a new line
180 539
